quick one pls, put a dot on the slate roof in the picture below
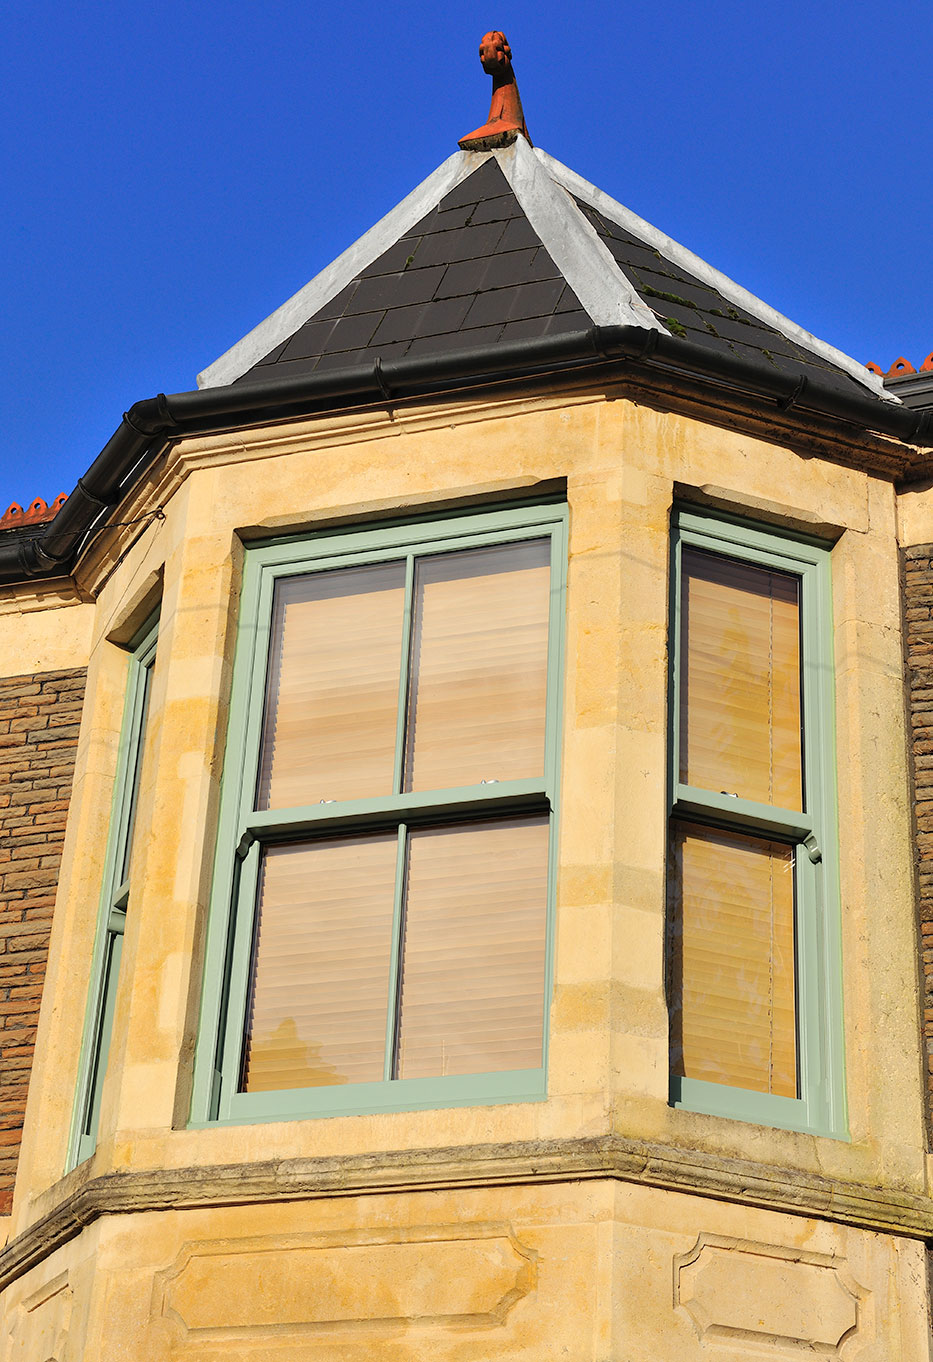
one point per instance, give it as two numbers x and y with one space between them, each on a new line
471 272
510 244
687 306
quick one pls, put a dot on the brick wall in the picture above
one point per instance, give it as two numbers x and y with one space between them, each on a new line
39 718
918 610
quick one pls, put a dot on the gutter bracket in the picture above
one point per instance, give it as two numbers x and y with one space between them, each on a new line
380 379
785 403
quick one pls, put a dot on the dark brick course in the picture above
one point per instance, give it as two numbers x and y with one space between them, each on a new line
39 720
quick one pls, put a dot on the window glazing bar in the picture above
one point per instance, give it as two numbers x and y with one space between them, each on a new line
434 805
725 810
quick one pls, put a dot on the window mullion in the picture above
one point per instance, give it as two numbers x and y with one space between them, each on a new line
404 674
395 963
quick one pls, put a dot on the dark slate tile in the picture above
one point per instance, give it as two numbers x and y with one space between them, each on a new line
455 340
468 243
681 316
569 302
520 267
405 323
577 320
485 183
655 287
396 258
518 234
536 300
467 277
739 329
337 305
490 308
353 332
310 339
395 290
446 314
501 209
452 218
531 328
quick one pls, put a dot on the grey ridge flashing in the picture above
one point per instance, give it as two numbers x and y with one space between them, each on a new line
603 203
584 261
280 325
78 1201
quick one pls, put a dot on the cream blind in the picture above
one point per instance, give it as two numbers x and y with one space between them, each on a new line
472 995
733 1013
320 975
332 695
479 667
740 680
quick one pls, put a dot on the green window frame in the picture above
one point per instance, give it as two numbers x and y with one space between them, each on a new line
811 832
115 897
244 831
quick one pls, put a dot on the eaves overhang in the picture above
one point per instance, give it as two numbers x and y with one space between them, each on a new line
153 424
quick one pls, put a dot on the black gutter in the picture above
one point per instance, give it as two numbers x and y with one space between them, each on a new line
150 426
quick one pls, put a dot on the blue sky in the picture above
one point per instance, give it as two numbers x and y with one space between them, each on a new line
173 172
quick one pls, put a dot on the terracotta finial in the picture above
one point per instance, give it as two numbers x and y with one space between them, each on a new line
506 119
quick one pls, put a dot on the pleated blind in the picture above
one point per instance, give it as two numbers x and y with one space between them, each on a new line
740 680
332 693
472 917
472 992
319 990
732 918
478 687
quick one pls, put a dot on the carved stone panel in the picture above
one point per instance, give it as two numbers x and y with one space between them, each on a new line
300 1285
786 1300
40 1324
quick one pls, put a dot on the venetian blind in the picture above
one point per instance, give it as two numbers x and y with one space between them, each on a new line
479 667
740 680
320 974
332 692
733 1018
472 990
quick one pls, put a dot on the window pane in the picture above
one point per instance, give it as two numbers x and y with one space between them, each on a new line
733 1008
332 692
740 680
320 974
479 667
472 993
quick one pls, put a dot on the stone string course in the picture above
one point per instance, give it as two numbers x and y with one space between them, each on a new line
39 721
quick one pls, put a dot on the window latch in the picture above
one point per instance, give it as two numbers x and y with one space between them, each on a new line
813 848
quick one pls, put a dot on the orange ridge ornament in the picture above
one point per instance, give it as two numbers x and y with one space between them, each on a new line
506 119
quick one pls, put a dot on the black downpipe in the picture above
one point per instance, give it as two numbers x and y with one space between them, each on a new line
151 425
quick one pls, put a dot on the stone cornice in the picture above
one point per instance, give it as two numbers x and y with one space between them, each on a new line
522 1163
